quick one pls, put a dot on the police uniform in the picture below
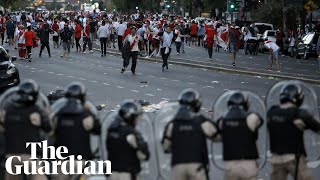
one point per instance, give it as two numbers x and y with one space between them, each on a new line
286 125
185 138
75 120
22 121
239 131
125 145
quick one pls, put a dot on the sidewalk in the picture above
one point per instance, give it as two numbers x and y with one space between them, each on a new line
296 69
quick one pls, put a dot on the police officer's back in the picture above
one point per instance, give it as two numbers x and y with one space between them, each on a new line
239 131
23 119
76 120
286 125
125 145
185 138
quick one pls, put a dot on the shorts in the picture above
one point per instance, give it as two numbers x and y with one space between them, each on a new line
194 35
10 36
233 47
275 55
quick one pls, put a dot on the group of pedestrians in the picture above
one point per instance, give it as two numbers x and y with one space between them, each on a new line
237 125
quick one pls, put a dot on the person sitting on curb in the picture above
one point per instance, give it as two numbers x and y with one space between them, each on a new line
274 53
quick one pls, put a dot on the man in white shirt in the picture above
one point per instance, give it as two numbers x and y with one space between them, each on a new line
121 29
61 25
133 40
18 19
274 52
103 33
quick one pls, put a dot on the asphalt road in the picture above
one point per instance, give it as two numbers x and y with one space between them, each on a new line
106 84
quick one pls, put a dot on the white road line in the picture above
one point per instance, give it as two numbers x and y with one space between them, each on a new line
70 76
151 76
41 70
134 90
94 81
60 74
150 95
209 87
51 72
166 99
106 84
105 73
26 66
174 80
100 65
82 79
120 87
163 78
191 83
33 71
33 68
159 89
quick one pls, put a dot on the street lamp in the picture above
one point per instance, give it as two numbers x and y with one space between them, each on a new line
137 8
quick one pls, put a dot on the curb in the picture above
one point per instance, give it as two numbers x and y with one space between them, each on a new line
216 68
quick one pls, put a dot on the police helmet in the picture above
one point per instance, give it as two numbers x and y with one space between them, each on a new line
28 92
192 98
4 56
292 93
238 99
76 90
129 111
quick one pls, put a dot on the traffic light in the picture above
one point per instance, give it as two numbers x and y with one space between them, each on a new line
231 5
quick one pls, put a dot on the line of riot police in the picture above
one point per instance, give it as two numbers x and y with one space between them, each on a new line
172 143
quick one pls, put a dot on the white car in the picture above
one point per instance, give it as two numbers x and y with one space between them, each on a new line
262 27
270 35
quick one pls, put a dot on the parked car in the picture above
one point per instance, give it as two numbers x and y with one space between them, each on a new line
9 74
262 27
308 46
270 35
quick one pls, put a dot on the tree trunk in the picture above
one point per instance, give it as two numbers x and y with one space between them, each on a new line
284 16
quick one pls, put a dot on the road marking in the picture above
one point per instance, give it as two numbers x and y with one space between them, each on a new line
105 73
51 72
60 74
209 87
174 80
33 68
159 89
82 79
70 76
163 78
150 95
135 91
166 99
109 67
151 76
33 71
94 81
26 66
106 84
100 65
120 87
191 83
41 70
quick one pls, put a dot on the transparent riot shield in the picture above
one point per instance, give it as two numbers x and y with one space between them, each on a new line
310 104
94 140
220 109
162 118
144 126
10 95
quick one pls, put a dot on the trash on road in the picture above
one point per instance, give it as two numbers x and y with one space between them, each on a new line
144 82
258 77
215 82
271 78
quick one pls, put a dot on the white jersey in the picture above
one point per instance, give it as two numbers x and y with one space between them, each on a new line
272 45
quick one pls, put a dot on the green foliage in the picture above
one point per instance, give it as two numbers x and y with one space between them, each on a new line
273 13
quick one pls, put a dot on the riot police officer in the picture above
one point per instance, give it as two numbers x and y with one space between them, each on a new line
286 124
239 131
75 118
24 115
185 138
125 145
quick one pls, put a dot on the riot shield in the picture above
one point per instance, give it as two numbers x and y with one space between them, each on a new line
144 126
310 104
256 105
60 103
163 117
9 97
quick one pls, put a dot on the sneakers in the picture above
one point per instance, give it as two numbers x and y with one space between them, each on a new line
233 64
84 52
101 55
178 53
91 51
122 70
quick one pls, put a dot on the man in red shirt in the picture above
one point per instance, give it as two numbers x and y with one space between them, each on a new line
194 32
2 27
30 37
77 35
209 32
55 29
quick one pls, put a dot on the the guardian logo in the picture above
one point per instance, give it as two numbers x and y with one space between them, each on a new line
69 165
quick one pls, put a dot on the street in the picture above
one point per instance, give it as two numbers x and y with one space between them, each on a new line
105 84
